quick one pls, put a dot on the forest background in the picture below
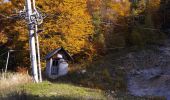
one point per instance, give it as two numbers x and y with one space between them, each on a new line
87 29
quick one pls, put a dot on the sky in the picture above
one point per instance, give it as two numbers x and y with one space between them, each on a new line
6 0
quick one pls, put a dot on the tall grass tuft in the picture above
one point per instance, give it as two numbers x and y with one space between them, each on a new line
11 80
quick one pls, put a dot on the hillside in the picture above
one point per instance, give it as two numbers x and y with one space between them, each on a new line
63 91
53 91
84 49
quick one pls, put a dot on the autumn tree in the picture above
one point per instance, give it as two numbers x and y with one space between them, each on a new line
115 13
147 12
107 14
70 27
68 24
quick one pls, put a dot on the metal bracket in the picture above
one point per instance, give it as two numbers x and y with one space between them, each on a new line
36 18
31 26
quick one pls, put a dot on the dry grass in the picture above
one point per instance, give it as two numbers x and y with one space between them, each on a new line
11 80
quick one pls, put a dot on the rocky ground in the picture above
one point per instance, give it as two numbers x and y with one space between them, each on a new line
149 71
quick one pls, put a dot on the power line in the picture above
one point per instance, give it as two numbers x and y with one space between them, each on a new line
116 24
9 17
131 26
55 15
2 15
12 50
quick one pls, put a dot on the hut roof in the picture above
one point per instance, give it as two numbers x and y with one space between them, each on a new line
58 50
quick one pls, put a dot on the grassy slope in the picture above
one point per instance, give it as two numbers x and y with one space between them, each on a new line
53 91
62 91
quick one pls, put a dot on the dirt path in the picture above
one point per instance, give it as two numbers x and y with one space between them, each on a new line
151 72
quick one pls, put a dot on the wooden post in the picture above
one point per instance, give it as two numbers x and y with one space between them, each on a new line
7 60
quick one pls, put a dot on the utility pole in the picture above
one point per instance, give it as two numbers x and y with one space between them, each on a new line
31 27
37 41
38 55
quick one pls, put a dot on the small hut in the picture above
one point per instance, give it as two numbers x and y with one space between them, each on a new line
57 63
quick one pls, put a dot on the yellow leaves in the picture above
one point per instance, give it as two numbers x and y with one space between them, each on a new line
154 5
74 45
121 8
74 23
49 44
6 8
21 30
3 38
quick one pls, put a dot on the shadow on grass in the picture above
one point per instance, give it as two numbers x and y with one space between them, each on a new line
37 97
25 96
